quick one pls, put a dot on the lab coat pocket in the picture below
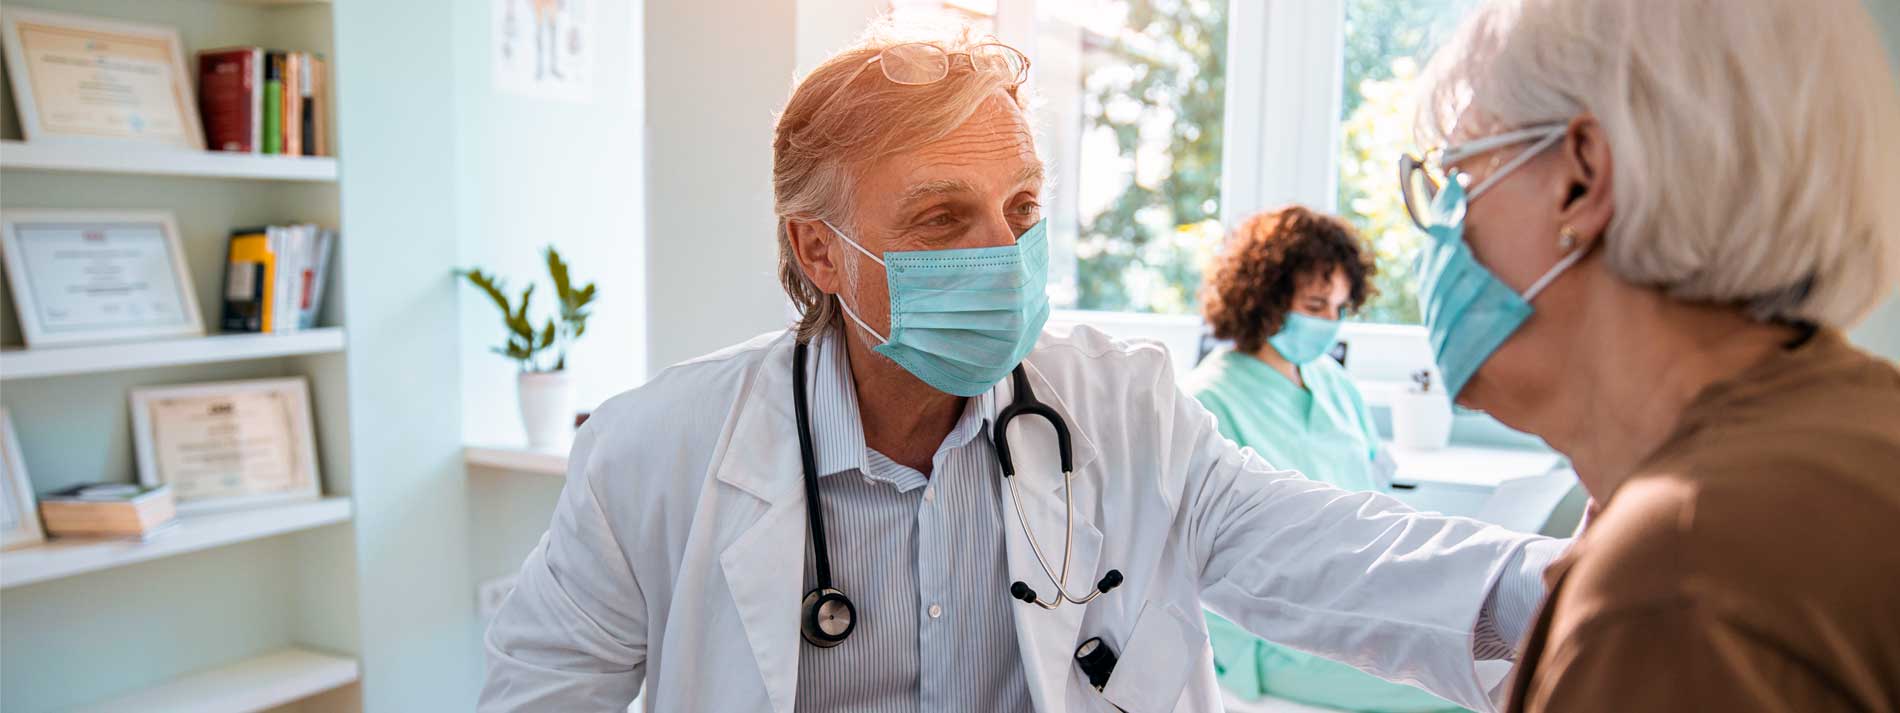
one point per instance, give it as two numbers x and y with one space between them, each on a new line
1153 666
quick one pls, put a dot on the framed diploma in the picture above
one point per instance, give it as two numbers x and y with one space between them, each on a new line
80 277
19 517
89 79
228 444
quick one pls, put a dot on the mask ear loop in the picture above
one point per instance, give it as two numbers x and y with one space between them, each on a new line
1555 270
1556 134
848 312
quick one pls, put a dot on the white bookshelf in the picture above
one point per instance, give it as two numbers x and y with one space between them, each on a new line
198 618
254 684
161 161
65 361
58 558
517 459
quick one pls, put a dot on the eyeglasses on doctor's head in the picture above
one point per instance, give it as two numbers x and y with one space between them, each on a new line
918 63
915 64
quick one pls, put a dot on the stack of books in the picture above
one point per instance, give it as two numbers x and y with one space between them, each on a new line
257 100
274 277
108 510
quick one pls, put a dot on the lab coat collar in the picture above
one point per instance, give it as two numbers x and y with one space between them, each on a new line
1047 637
759 456
1082 447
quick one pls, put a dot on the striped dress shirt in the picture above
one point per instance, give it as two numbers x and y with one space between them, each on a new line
923 561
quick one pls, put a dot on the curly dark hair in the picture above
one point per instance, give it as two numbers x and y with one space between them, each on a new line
1250 287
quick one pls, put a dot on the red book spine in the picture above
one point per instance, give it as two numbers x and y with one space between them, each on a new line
227 94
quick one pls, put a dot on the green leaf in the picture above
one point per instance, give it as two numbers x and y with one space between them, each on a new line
557 269
489 285
526 295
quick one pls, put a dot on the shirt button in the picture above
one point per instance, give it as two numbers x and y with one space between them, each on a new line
930 493
936 611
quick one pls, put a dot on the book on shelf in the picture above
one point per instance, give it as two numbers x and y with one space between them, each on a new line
275 276
108 510
273 100
313 126
293 103
229 81
256 100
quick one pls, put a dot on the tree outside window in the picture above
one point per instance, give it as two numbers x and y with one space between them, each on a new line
1386 42
1153 92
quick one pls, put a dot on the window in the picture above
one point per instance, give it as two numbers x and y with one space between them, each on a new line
1137 98
1134 97
1386 42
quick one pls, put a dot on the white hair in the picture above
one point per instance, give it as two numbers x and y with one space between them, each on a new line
1756 144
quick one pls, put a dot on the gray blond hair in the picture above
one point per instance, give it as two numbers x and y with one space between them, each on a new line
830 130
1754 142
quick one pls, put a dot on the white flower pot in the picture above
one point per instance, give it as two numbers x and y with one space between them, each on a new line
547 408
1421 420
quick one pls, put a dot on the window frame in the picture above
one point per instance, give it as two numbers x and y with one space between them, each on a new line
1281 53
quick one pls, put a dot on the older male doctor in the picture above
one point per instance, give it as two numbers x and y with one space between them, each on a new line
868 534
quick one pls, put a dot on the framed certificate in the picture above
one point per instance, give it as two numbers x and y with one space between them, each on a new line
228 444
19 517
79 78
81 277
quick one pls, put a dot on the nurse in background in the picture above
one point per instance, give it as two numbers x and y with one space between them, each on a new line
1278 293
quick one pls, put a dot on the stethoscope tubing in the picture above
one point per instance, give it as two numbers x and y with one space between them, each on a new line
1023 402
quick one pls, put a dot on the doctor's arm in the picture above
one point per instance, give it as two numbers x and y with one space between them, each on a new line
572 636
1356 577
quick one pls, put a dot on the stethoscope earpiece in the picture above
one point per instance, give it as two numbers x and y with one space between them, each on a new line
828 619
1019 590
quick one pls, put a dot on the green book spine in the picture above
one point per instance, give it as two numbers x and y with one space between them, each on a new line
274 102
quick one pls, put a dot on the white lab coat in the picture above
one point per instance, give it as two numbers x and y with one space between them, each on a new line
676 553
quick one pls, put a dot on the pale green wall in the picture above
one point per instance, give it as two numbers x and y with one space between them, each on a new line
396 115
718 71
538 171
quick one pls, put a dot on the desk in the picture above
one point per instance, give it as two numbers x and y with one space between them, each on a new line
1466 480
1468 465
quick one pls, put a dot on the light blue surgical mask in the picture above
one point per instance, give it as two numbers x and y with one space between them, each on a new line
1303 338
962 319
1468 311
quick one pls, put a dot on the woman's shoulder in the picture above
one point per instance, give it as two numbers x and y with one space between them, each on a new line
1753 543
1209 378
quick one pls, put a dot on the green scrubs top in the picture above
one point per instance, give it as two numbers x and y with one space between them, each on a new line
1326 432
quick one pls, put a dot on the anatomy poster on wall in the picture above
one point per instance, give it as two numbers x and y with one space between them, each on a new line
544 48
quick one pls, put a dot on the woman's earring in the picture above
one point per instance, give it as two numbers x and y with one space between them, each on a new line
1566 238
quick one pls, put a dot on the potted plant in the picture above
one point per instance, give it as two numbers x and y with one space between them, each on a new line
545 389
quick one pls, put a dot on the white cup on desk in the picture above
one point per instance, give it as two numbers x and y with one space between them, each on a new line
1421 415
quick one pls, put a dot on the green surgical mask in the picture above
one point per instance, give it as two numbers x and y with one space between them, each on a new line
962 319
1469 312
1303 339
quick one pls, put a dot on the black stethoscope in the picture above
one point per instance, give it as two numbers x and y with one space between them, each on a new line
828 616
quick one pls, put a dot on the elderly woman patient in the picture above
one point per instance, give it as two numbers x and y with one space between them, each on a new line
1650 221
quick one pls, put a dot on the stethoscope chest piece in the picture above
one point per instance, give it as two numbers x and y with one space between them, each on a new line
828 617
